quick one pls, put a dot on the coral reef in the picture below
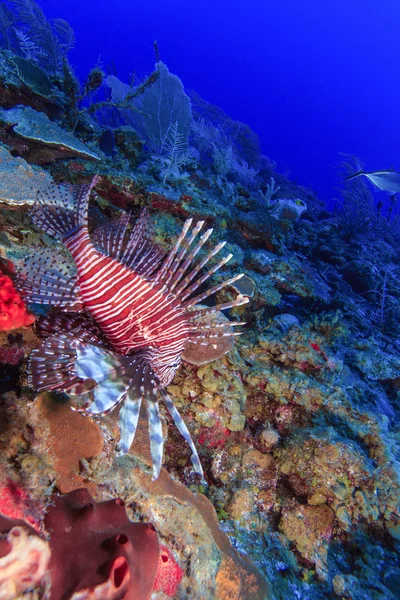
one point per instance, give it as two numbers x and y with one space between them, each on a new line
36 128
297 423
19 182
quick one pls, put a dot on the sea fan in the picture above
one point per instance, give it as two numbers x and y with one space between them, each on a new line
65 34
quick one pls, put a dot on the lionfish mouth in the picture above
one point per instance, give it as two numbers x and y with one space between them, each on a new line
85 351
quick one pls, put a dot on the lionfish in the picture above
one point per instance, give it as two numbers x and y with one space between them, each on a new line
129 311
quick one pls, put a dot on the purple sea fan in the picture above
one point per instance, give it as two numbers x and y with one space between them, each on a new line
133 309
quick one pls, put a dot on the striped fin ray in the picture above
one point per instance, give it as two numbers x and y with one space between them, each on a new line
215 336
240 300
134 248
214 326
141 384
56 322
42 283
59 209
140 252
173 274
183 290
178 265
128 419
211 291
109 238
174 251
186 264
155 425
156 436
108 371
181 426
52 366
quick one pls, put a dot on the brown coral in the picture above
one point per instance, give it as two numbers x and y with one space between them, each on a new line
71 437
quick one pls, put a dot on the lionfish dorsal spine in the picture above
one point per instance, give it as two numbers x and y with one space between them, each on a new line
178 264
180 273
170 257
183 286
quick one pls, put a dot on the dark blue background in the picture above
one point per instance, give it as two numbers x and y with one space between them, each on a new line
313 78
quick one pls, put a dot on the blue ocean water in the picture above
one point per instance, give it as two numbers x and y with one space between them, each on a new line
313 79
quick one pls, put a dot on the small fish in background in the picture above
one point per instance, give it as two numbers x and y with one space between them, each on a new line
387 181
130 311
107 142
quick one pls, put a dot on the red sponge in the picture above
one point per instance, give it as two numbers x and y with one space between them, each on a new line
169 574
13 312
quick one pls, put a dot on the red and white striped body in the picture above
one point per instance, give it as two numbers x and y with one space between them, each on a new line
133 312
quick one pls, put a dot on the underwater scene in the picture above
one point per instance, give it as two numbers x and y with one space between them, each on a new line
199 300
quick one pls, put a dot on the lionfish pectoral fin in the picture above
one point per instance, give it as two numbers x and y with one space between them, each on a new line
59 209
52 366
46 278
94 362
128 420
106 396
101 366
183 430
156 436
141 253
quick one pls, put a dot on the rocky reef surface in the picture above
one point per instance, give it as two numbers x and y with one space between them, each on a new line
297 426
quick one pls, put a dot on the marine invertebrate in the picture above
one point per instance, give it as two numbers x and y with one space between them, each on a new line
26 31
288 208
33 76
19 181
93 551
15 503
139 309
169 573
70 436
24 558
94 546
156 109
13 313
37 127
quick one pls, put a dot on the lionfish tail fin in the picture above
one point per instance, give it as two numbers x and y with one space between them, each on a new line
59 210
